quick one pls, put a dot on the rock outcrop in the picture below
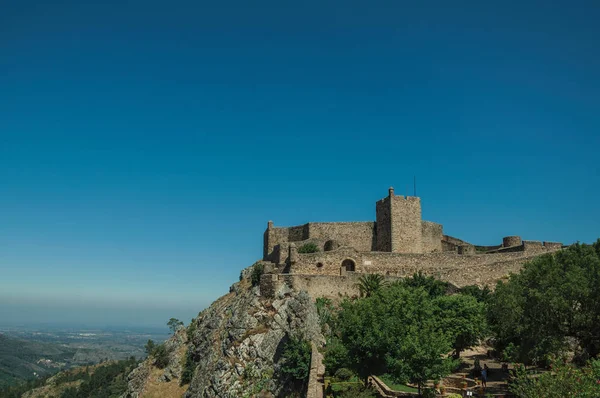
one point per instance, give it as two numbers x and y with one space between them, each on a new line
235 345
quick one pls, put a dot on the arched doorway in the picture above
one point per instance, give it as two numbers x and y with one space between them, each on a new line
348 265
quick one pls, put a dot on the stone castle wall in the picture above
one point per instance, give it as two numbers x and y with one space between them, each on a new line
509 241
399 264
332 287
407 233
452 267
459 271
360 235
384 225
431 237
451 244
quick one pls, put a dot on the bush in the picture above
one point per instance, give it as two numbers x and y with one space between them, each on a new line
343 374
336 356
565 380
308 248
150 347
296 359
161 356
325 311
257 270
430 393
191 330
188 369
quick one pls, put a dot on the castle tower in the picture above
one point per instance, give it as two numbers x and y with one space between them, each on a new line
399 227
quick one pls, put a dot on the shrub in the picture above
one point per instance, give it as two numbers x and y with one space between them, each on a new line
325 310
336 356
565 380
191 330
188 369
430 393
161 356
308 248
296 359
343 374
257 270
150 347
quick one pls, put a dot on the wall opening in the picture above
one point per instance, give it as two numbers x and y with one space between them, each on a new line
319 266
348 265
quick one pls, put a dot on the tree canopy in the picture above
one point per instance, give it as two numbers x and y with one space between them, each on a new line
174 324
405 329
565 380
551 306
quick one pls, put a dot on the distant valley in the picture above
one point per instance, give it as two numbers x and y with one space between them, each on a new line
27 354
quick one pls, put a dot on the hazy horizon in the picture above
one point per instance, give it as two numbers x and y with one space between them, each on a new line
97 314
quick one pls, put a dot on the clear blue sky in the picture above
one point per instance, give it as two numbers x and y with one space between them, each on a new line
143 147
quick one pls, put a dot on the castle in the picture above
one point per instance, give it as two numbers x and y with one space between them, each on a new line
325 258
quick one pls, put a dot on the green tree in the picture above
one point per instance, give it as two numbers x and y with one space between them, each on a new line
174 324
337 356
480 294
150 347
161 356
433 286
369 284
296 359
258 270
555 298
565 380
393 331
325 311
463 318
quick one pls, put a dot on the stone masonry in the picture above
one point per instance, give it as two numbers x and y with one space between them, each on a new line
398 244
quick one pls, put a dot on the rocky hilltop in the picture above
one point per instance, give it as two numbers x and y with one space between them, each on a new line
233 348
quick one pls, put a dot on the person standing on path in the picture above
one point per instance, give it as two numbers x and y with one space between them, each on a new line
484 375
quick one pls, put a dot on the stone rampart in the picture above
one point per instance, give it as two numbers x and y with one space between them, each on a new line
451 244
461 270
552 245
360 235
481 248
316 386
332 287
431 236
530 246
509 241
